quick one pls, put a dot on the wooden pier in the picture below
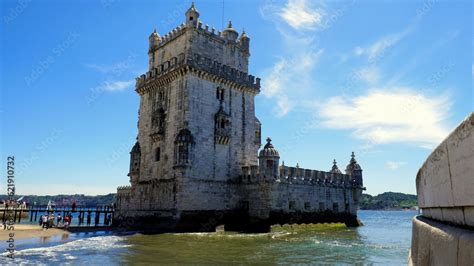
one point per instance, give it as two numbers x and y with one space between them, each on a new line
82 216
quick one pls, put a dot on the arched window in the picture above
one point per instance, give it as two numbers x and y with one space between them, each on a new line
183 147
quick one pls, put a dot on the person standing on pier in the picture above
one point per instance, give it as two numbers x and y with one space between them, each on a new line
67 220
88 219
73 206
59 219
41 220
44 221
70 218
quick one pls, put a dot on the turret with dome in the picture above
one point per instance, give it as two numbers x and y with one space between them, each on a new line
269 160
353 169
192 15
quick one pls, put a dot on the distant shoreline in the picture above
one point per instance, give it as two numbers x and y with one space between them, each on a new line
384 201
392 209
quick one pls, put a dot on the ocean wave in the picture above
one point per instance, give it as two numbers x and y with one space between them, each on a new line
67 252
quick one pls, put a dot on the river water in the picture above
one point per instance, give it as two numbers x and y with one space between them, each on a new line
384 239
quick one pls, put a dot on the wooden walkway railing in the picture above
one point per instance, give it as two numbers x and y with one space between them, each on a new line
98 216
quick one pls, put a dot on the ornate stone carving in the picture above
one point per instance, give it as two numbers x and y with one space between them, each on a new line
158 120
222 127
184 143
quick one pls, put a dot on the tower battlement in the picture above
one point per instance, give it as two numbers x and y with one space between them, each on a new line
296 175
201 28
226 47
196 62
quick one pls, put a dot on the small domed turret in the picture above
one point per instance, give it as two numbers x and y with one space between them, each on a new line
335 169
135 157
269 160
154 40
244 35
192 15
268 150
353 165
230 33
354 170
136 148
245 43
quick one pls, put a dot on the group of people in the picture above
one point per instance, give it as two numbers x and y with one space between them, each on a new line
47 221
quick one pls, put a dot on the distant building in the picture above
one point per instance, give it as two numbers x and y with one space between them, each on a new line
195 163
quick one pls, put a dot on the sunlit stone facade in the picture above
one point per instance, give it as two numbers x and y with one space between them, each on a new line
196 163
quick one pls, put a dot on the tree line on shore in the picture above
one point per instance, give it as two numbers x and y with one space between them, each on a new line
81 200
387 200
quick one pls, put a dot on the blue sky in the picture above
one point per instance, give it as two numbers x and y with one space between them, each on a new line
385 79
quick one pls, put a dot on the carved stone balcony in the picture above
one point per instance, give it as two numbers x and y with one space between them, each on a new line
157 135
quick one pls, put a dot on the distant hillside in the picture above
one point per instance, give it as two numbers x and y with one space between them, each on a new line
66 200
388 200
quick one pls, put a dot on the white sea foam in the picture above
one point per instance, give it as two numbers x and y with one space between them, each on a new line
69 251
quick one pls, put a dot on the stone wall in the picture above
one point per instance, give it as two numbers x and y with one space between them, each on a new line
172 98
444 234
435 243
445 182
215 161
290 197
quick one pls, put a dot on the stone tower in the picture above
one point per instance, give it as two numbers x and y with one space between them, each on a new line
195 163
196 118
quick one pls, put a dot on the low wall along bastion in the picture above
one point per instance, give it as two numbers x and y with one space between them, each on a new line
196 163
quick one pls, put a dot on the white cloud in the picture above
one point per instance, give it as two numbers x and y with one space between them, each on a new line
394 165
116 85
300 15
359 51
368 74
101 68
117 68
287 78
389 116
379 48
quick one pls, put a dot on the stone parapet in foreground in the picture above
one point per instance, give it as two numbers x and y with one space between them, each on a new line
435 243
445 182
444 234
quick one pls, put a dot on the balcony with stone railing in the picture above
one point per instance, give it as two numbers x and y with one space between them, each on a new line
123 191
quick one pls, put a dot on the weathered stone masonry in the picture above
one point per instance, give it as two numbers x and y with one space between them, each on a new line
195 163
